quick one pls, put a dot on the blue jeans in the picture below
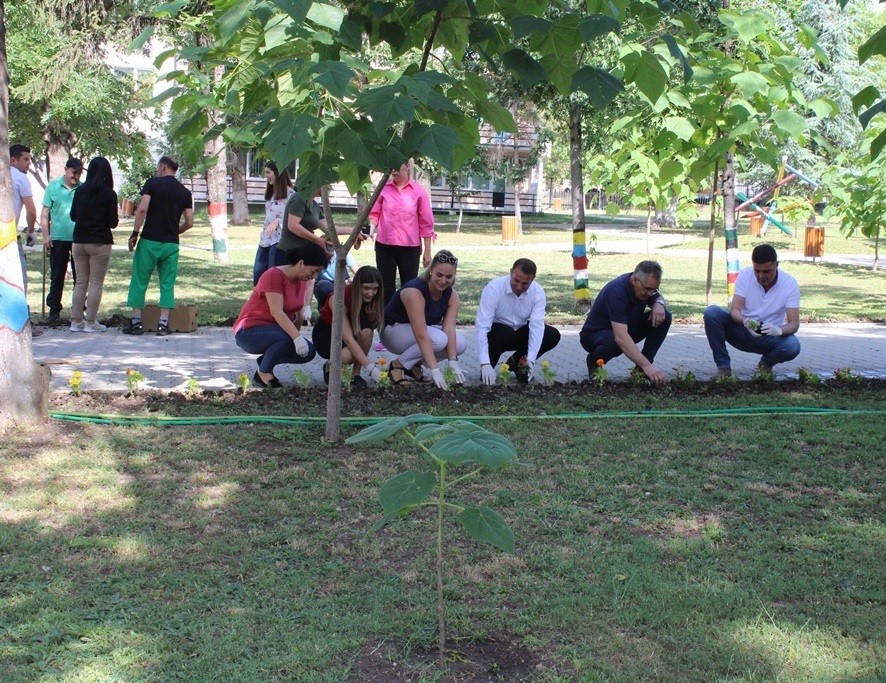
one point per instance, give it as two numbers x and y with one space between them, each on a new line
601 344
721 328
274 345
264 259
323 289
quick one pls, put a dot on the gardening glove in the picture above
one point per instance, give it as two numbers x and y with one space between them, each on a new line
437 376
306 315
459 375
749 328
535 372
771 330
487 372
301 346
375 373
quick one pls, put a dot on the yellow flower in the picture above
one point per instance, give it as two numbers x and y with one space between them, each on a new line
383 374
504 368
546 364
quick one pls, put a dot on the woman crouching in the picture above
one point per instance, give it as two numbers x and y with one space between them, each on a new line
363 315
270 321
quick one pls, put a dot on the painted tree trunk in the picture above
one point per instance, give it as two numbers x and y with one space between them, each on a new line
729 222
217 187
24 386
579 239
712 234
239 188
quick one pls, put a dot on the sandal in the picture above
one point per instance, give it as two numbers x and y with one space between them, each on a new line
417 374
398 368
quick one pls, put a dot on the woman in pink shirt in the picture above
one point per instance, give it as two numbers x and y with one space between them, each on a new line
270 321
403 224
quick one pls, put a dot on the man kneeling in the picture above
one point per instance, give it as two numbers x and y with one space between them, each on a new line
618 320
763 317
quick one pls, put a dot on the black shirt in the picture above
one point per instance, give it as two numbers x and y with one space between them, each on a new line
169 199
94 215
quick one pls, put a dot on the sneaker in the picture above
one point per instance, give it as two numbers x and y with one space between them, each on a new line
77 327
95 327
132 327
162 329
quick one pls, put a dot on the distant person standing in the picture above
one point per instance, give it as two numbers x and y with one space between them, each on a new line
58 233
277 192
22 195
94 212
164 201
403 224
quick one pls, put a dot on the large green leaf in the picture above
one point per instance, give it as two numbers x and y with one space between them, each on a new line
557 49
597 25
327 16
646 72
496 115
529 71
824 107
791 123
389 427
475 444
429 431
486 525
681 127
871 112
877 145
749 25
527 25
600 86
875 45
289 136
669 170
750 83
435 142
334 76
297 9
646 13
678 53
388 111
864 98
405 490
232 20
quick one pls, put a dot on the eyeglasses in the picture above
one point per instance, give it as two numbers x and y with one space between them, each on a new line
446 258
648 290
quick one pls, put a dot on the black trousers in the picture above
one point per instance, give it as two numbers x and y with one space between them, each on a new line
389 259
59 258
505 338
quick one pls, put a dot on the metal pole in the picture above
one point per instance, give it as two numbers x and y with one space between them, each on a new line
43 295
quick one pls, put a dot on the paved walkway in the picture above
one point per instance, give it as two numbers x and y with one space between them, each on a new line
210 356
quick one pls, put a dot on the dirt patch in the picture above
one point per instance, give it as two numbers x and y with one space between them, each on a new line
495 659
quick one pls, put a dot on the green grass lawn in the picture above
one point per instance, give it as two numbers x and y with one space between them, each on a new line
736 549
830 292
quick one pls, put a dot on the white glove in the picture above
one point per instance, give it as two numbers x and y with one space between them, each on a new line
301 346
437 376
459 375
771 330
375 373
306 315
535 372
487 372
750 329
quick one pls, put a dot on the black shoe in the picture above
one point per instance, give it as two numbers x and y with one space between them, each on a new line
357 382
520 371
326 372
53 317
162 330
272 383
132 327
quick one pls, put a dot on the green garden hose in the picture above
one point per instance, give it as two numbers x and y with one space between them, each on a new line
305 421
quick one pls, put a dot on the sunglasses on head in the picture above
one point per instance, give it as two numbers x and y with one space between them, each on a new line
446 258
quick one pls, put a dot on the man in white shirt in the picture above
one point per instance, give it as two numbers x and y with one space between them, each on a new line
763 317
22 195
511 317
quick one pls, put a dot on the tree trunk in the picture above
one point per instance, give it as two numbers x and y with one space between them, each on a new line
239 189
217 186
712 234
729 223
579 239
24 386
518 211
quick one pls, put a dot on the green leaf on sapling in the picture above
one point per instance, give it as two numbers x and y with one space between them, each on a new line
486 525
405 490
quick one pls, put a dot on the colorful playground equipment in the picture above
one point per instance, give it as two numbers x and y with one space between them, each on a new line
761 213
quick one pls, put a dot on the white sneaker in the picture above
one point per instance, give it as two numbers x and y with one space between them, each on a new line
95 327
77 327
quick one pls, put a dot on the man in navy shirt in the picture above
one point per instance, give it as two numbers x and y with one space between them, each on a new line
619 319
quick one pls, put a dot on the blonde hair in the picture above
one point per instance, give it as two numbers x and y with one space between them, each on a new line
442 256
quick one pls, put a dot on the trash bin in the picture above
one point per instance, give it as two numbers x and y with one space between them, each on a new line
508 228
814 242
756 225
558 203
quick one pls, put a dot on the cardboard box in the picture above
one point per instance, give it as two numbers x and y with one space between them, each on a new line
181 318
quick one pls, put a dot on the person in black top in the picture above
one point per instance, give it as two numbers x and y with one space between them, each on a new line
94 212
164 201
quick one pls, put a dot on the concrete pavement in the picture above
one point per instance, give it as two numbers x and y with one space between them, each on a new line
211 357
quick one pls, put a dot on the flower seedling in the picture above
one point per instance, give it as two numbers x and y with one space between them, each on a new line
638 378
763 375
347 374
846 375
384 379
133 379
686 380
504 374
303 379
243 381
547 375
754 325
449 446
600 373
76 382
449 375
808 377
192 386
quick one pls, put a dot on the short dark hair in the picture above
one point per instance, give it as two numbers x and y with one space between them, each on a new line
15 151
169 162
311 253
526 266
646 268
764 253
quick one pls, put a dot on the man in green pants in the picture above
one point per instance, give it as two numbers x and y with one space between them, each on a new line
164 201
